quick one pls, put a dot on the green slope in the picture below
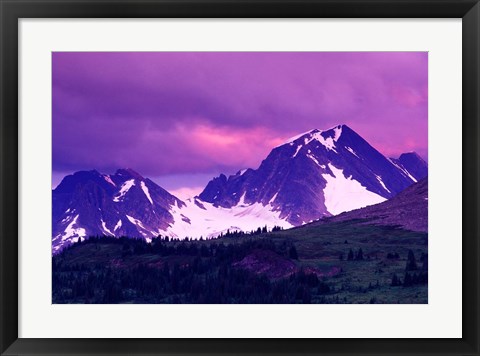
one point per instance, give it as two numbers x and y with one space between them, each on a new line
300 265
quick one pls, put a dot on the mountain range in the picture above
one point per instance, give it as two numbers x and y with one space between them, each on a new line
314 175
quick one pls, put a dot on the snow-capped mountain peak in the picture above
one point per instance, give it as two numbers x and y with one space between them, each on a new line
315 174
291 140
128 173
322 136
326 138
88 203
309 176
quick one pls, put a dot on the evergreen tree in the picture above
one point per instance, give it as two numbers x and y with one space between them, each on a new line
292 253
411 262
395 280
350 255
359 255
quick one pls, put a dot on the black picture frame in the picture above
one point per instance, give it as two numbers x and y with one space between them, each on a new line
13 10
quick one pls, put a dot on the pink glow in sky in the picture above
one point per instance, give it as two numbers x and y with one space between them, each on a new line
167 114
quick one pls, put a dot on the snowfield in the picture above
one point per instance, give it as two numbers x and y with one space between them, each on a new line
211 221
345 194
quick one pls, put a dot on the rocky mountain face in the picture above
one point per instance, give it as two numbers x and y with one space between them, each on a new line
316 174
88 203
412 164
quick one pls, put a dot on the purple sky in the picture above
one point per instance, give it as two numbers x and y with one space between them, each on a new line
180 118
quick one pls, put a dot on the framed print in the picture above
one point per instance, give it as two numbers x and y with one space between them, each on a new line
242 239
275 177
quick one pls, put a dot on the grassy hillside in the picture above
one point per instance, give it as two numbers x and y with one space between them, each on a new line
367 280
309 264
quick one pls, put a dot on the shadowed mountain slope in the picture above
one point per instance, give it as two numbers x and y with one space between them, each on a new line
409 210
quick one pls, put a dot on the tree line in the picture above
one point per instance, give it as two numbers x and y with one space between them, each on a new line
188 273
414 274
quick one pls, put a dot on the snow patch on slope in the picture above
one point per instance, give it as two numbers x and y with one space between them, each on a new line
345 194
124 189
298 150
349 149
147 193
328 142
383 184
338 133
138 223
316 161
68 217
407 173
118 225
273 198
241 202
135 222
70 231
296 137
316 134
105 228
109 180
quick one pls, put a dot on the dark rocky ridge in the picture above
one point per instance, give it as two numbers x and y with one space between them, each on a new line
413 164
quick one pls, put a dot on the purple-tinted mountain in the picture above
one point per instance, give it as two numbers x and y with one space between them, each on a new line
315 174
88 203
412 164
409 210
